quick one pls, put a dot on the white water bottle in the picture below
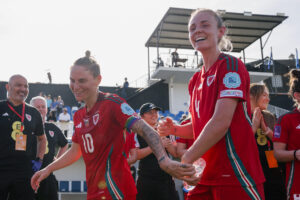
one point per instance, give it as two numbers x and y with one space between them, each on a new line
199 165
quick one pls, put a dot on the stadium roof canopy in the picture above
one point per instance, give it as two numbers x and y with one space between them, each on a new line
243 28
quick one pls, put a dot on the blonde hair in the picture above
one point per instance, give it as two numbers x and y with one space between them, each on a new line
224 43
256 90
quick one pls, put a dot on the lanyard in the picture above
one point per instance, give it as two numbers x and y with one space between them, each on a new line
23 112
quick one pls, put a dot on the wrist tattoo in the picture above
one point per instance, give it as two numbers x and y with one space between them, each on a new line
161 159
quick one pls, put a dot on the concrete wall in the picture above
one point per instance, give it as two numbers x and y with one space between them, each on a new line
179 97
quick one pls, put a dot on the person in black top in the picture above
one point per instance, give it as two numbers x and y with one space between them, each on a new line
175 58
20 126
263 123
153 182
49 187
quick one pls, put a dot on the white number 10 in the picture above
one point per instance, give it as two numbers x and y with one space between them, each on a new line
88 143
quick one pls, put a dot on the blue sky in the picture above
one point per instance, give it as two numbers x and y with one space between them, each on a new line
38 36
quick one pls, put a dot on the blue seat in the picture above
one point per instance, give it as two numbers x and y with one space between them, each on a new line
76 186
64 186
84 186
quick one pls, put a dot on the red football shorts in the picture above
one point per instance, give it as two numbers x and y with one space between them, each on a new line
204 192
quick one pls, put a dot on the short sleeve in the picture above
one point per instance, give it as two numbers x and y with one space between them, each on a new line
281 131
61 139
233 79
124 114
132 144
181 140
39 129
77 125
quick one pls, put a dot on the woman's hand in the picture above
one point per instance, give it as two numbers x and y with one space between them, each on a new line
166 127
256 119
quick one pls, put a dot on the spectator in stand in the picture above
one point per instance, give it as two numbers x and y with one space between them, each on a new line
220 110
99 138
153 182
60 105
287 139
49 187
42 94
54 106
52 116
125 84
49 103
175 58
64 119
124 88
263 123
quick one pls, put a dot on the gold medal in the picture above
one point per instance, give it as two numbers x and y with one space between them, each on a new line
262 140
259 132
17 129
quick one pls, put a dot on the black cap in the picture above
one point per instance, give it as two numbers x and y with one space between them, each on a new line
146 107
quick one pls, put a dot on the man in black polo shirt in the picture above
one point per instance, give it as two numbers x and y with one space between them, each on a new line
49 187
20 126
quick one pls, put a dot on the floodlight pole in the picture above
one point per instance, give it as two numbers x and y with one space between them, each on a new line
261 49
148 65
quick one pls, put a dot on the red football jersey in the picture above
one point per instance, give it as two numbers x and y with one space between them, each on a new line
130 142
287 130
101 136
234 159
188 142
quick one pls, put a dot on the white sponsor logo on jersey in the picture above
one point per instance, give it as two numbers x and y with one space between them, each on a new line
126 109
5 114
231 93
210 79
232 80
298 127
96 118
51 133
78 125
28 117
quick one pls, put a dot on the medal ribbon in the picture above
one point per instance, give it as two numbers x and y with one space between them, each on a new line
22 117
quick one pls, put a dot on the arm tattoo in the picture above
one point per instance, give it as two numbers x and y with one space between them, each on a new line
161 159
151 137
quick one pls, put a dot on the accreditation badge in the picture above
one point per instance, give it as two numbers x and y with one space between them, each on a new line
21 142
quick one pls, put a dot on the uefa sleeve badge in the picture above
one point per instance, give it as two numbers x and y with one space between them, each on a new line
232 80
277 131
126 109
